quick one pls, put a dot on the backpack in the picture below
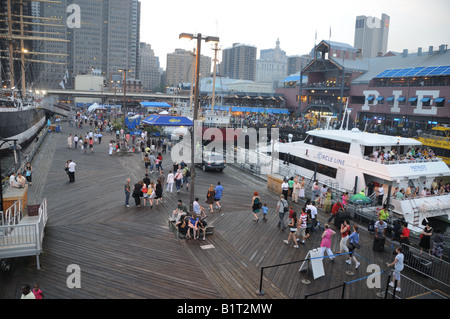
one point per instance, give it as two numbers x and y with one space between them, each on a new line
188 172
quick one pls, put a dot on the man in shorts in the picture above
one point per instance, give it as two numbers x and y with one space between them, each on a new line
218 195
398 267
301 232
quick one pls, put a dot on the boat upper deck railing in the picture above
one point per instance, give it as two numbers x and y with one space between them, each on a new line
403 160
435 137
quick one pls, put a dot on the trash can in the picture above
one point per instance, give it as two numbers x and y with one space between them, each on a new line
33 210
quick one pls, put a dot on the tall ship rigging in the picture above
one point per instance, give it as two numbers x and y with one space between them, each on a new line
22 109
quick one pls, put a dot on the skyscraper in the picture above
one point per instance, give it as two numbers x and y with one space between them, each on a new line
181 65
107 40
271 67
239 62
371 35
149 70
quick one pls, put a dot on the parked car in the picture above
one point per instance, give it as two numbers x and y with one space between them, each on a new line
212 161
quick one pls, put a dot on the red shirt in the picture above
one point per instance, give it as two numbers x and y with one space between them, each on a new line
346 230
336 207
405 233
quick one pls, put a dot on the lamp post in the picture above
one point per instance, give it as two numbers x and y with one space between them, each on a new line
124 86
199 39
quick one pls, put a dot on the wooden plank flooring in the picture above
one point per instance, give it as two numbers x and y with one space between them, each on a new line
131 253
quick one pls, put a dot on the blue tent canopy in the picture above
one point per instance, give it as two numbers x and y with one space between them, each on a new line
155 104
168 120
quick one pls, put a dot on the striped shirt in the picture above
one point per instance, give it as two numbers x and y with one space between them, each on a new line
302 221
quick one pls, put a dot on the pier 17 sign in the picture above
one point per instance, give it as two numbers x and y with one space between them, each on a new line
398 95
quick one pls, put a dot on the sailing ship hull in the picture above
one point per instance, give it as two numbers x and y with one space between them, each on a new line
22 125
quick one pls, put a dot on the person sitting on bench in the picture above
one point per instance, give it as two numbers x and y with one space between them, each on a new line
180 211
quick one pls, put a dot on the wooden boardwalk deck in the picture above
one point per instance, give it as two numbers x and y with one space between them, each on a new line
131 253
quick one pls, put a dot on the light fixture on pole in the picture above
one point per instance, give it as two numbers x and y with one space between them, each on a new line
124 87
199 39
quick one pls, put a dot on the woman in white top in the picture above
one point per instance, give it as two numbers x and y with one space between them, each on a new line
170 181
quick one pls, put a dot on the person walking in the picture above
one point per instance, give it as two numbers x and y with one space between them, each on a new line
186 175
71 171
162 178
292 230
218 195
210 197
69 141
178 179
379 239
38 292
91 144
345 229
75 142
425 239
282 208
159 192
28 172
137 193
285 188
151 192
27 293
302 222
295 190
264 211
144 193
325 244
398 267
327 201
170 181
256 205
353 241
302 189
127 192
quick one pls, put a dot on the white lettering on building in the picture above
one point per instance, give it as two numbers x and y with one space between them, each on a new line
432 110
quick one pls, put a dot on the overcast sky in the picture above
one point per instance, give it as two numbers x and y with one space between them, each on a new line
414 23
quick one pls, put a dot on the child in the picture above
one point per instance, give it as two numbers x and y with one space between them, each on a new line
264 210
38 292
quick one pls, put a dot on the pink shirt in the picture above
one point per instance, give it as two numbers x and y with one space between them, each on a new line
326 240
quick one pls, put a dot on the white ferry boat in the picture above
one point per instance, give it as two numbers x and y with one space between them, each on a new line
347 157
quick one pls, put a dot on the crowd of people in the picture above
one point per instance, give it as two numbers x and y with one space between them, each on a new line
383 156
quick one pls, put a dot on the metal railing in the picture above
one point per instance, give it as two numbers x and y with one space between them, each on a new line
24 239
410 289
427 265
12 215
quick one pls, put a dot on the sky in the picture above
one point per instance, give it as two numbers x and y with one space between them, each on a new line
414 23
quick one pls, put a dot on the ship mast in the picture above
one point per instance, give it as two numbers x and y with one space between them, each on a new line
10 37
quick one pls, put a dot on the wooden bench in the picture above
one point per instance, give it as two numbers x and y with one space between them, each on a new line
209 230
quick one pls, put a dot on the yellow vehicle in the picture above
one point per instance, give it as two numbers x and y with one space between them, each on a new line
439 141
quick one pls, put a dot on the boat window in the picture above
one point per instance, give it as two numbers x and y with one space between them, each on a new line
310 165
328 143
368 150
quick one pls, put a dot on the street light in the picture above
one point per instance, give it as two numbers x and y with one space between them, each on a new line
199 39
124 86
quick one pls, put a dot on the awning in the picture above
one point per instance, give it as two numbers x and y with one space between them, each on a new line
401 99
155 104
439 100
425 99
167 120
380 98
412 99
370 98
391 98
